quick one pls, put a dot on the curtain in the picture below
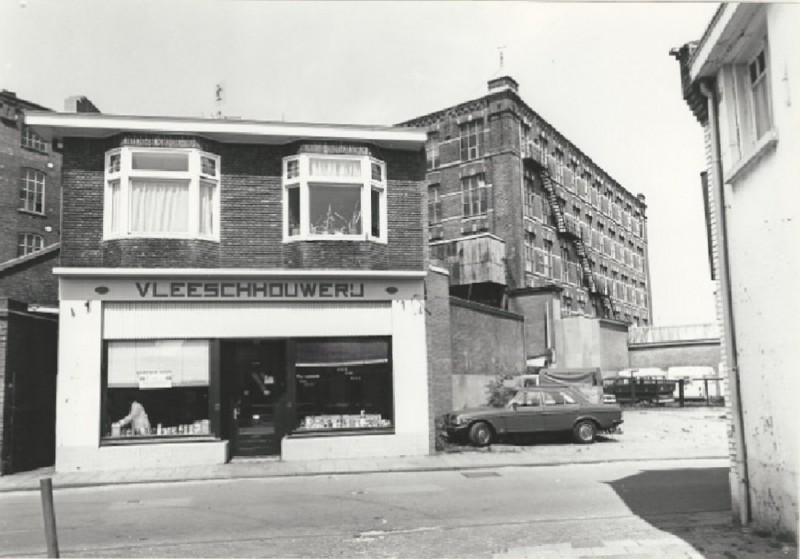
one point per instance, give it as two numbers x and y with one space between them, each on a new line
116 206
207 207
322 167
159 206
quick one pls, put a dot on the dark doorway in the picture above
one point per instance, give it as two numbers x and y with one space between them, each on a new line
254 381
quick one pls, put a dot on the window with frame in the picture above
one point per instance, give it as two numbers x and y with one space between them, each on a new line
758 76
432 150
547 258
434 204
32 140
344 384
28 243
32 190
341 197
471 144
162 193
529 200
474 196
155 389
529 249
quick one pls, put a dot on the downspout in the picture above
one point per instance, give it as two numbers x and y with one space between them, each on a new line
709 92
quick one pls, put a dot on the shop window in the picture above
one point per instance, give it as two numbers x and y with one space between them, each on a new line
31 191
474 196
156 389
334 197
471 133
344 384
28 243
32 140
155 192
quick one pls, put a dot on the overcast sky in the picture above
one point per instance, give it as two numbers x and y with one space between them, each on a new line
600 73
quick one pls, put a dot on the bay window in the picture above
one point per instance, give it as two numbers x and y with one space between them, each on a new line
334 197
160 192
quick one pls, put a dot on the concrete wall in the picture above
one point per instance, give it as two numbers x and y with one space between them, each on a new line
535 306
682 354
577 342
486 342
437 330
614 346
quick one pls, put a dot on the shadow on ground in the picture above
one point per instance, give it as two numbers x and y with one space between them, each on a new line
694 504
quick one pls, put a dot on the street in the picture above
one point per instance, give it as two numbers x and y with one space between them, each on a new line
561 511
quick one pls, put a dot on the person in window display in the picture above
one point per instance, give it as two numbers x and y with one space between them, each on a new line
137 418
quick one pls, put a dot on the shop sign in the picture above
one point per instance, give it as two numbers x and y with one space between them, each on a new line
154 379
160 289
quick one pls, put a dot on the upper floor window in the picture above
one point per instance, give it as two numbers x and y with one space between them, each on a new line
471 139
432 150
434 204
161 192
759 92
31 190
474 196
28 243
32 140
334 197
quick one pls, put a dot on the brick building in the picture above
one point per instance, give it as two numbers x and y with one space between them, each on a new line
514 209
255 287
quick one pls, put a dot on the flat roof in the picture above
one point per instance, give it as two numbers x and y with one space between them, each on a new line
96 125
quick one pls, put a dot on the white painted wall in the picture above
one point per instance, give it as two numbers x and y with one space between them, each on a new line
764 231
83 325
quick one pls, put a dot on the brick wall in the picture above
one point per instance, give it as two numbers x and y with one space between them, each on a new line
30 278
13 221
251 217
438 334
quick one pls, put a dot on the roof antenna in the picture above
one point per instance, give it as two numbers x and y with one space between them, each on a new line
501 49
219 99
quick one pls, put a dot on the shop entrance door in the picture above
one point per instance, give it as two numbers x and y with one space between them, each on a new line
256 371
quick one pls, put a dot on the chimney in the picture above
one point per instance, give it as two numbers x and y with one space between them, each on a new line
503 83
79 104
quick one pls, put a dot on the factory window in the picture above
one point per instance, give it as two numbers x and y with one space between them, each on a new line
759 93
32 140
471 133
434 204
31 191
334 197
432 150
162 193
28 243
474 196
530 241
531 204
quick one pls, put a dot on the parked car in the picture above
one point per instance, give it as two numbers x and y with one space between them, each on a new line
536 409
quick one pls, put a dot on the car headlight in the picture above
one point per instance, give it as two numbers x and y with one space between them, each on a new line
460 419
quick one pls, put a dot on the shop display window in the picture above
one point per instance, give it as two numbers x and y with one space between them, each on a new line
156 390
344 384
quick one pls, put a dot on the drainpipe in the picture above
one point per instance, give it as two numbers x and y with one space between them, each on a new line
709 92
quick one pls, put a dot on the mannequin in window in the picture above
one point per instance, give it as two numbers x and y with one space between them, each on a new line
137 418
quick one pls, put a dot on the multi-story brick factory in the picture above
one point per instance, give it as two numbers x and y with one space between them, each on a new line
514 206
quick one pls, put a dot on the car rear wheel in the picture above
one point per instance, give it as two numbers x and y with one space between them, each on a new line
584 432
480 434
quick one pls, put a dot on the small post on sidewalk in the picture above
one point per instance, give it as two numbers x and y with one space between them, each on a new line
680 392
46 489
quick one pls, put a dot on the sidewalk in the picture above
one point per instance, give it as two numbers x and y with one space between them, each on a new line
648 435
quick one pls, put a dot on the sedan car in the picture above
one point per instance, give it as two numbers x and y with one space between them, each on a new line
540 409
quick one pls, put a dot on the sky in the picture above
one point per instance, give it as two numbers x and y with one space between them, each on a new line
600 73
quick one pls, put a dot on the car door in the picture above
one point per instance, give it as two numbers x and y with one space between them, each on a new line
561 409
527 417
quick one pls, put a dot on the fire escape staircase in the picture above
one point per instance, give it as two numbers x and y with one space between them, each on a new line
572 232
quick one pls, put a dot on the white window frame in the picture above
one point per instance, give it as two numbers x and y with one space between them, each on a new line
124 174
32 140
34 190
368 184
30 243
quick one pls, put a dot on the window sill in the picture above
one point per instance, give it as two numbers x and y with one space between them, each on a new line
34 150
175 237
158 439
767 142
324 238
344 432
31 212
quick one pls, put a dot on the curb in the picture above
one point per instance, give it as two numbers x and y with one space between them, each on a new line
413 469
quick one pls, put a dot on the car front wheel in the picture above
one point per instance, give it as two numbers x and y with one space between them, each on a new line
584 432
480 434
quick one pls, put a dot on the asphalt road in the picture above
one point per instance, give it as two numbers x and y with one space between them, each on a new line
432 514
